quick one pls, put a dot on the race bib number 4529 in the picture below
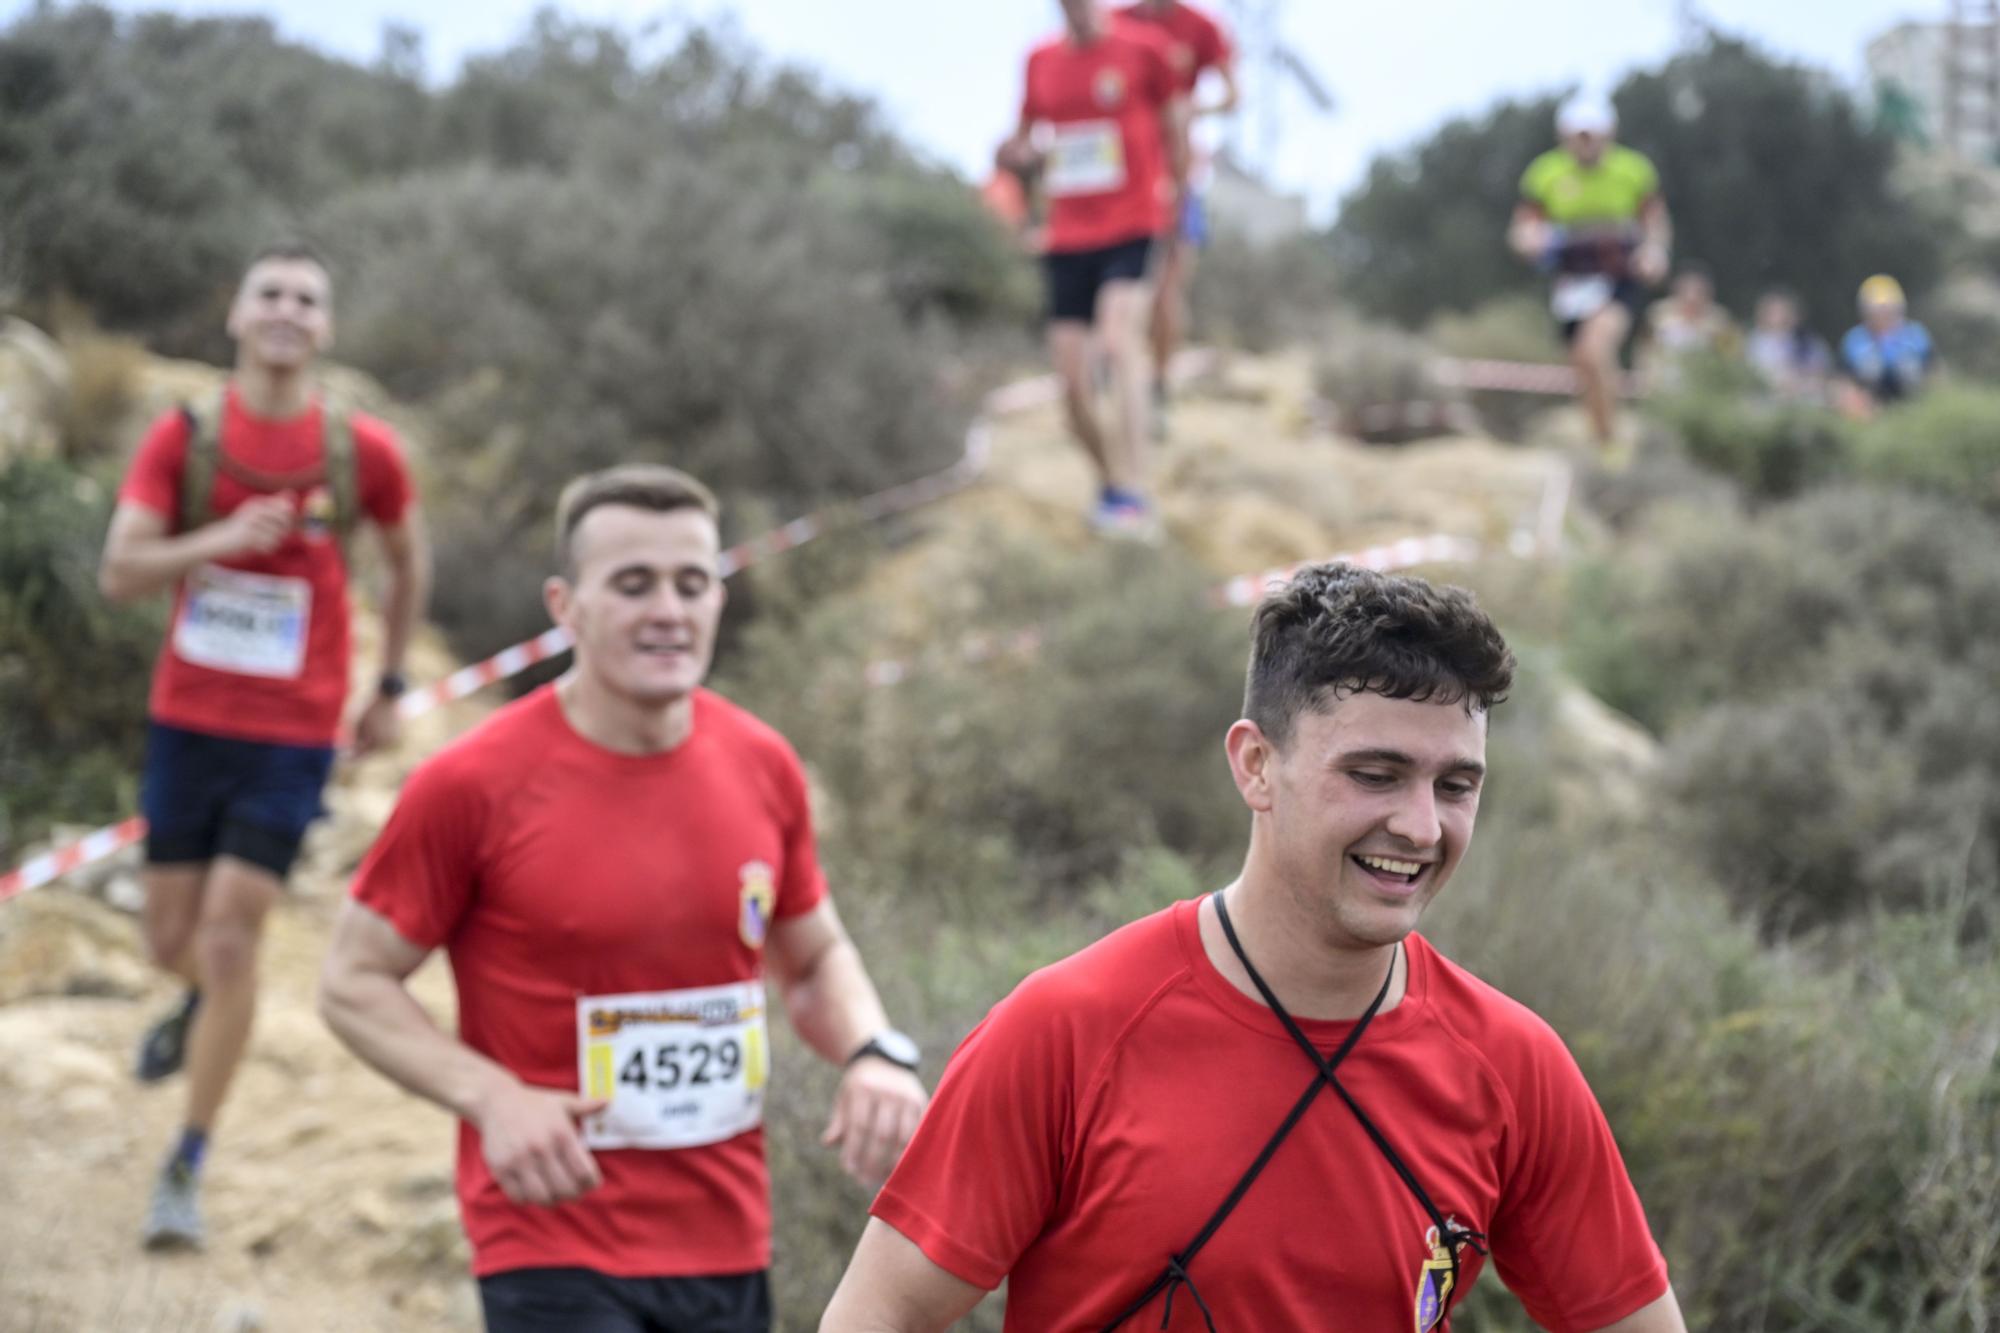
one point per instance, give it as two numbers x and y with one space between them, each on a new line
680 1068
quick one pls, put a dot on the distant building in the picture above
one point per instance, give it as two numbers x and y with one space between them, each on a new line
1243 204
1938 84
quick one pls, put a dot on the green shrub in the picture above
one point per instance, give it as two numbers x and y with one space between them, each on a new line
1823 672
1772 449
1946 442
1261 297
1506 328
693 315
1360 365
73 669
1025 775
1812 1136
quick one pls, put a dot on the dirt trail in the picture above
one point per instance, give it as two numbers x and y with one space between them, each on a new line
328 1193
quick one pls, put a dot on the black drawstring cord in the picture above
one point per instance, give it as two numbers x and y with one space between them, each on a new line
1177 1277
1176 1271
1450 1234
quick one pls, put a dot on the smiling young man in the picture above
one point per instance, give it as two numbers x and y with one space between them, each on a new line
241 508
610 864
1278 1107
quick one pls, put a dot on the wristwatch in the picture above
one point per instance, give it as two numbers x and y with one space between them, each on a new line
392 685
898 1048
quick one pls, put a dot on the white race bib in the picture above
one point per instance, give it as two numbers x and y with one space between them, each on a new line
1578 296
681 1068
249 624
1085 157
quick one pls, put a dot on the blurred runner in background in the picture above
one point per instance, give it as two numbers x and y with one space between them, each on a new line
1197 44
242 507
1592 214
1103 122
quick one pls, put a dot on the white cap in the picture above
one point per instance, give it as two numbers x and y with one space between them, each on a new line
1586 114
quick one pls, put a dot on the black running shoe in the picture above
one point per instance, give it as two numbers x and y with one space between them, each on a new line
164 1048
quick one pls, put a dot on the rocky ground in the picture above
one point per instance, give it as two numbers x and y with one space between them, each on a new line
329 1193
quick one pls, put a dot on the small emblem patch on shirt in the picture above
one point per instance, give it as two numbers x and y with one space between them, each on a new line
758 899
1434 1283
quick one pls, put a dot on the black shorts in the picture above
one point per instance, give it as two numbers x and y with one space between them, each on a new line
1627 293
581 1300
207 796
1075 278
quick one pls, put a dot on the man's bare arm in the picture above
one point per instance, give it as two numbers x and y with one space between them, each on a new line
834 1008
141 558
891 1286
528 1134
1662 1316
1231 93
407 548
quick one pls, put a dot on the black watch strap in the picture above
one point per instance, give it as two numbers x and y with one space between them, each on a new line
895 1047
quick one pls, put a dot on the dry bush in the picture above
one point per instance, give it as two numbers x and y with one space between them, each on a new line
106 374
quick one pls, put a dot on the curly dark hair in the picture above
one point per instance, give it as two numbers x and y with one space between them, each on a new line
1338 627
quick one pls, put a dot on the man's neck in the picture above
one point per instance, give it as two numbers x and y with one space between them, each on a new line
1311 978
272 394
1083 34
621 725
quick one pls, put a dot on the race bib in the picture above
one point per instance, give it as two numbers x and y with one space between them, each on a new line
1086 157
681 1068
1579 296
249 624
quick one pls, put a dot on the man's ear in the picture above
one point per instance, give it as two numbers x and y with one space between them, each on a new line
1251 759
556 597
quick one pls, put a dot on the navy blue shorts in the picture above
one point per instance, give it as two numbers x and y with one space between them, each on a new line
581 1300
1074 279
207 796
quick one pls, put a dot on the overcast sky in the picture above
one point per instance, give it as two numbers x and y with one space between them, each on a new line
948 71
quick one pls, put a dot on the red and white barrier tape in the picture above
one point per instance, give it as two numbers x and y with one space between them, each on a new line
508 662
1522 377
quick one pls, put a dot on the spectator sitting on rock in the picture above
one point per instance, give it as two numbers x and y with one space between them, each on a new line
1789 357
1887 356
1685 323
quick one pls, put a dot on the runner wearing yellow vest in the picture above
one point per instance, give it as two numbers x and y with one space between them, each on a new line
1591 212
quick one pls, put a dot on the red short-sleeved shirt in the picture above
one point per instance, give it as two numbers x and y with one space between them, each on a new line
549 869
1196 41
1106 172
282 675
1092 1124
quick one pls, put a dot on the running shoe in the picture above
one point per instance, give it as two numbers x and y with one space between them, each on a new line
164 1048
1126 520
173 1218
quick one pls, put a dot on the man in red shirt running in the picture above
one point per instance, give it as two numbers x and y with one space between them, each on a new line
1278 1107
610 864
1104 123
239 507
1197 43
